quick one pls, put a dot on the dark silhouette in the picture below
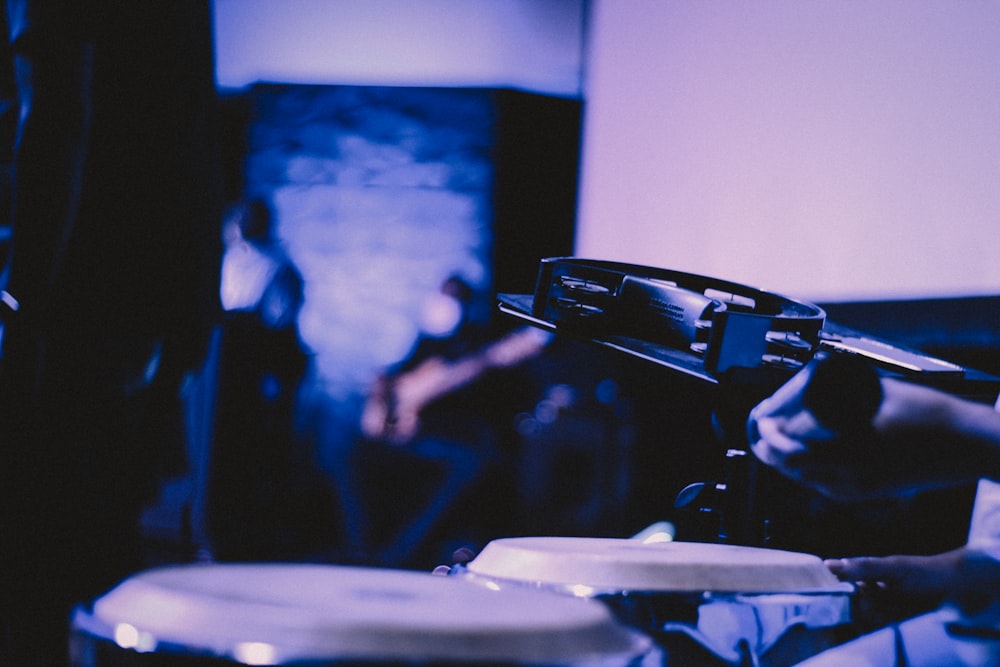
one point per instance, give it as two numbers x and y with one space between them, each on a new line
113 288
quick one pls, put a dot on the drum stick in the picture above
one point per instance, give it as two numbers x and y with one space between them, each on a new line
844 393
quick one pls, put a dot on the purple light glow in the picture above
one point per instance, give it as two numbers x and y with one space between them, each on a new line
826 150
528 44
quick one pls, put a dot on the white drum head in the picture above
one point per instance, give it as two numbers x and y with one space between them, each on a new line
610 564
274 614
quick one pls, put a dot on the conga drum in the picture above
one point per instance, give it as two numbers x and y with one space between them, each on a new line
299 614
704 604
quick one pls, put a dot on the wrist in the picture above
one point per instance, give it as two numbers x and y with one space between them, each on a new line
977 427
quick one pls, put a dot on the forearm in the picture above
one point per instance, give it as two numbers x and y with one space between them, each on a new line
978 425
955 439
920 438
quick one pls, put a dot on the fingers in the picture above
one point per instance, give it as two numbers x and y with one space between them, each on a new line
796 447
861 569
915 575
769 442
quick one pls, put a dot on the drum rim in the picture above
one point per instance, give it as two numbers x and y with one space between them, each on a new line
520 548
700 596
599 637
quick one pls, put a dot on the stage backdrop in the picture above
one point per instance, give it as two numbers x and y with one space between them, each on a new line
836 151
830 150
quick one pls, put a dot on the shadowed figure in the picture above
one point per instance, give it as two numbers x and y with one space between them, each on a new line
112 291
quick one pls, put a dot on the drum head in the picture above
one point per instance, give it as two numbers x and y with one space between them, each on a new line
612 565
276 614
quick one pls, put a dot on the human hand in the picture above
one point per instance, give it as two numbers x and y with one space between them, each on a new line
912 442
891 588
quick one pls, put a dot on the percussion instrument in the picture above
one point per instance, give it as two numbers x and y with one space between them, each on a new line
703 326
724 323
282 614
705 603
745 341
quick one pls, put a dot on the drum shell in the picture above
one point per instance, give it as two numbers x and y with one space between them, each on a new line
693 627
672 621
90 650
302 637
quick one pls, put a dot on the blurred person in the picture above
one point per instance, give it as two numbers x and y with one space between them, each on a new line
453 352
252 509
111 293
257 275
444 403
918 438
441 361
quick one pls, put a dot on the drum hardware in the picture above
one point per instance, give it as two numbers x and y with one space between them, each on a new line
722 323
746 341
843 393
705 327
742 500
733 502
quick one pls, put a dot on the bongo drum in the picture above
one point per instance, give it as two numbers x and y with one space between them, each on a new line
713 604
283 614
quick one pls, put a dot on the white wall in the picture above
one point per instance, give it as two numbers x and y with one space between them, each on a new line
826 149
526 44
